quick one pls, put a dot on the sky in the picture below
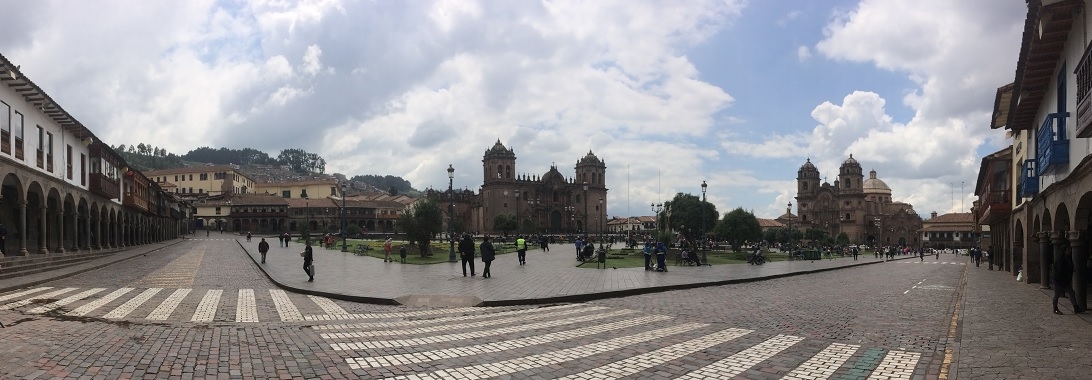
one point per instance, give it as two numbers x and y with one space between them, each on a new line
668 93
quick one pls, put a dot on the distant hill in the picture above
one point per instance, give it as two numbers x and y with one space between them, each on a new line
290 165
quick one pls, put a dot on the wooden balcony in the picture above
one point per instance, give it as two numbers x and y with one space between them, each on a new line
18 148
5 146
996 206
39 158
1052 143
104 186
1084 95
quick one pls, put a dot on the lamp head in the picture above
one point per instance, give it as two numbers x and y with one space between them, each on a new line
703 187
585 186
450 171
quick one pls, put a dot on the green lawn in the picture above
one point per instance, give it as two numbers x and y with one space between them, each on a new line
440 250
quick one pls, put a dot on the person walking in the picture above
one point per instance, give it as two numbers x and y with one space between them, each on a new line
579 248
248 235
387 250
546 243
661 257
308 261
263 247
466 252
648 254
855 250
521 250
287 238
488 254
1063 281
4 238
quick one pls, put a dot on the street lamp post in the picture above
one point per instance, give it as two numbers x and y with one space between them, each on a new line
519 223
601 220
585 210
344 241
572 219
451 213
704 259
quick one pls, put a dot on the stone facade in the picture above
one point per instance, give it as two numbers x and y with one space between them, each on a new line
860 208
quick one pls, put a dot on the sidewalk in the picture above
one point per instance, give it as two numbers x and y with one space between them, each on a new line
1007 331
548 277
121 255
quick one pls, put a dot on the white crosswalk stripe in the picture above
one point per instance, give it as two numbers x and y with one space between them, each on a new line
502 368
128 307
427 356
90 306
932 262
641 362
896 365
492 322
328 306
246 310
165 308
35 298
206 310
823 364
64 301
22 293
736 364
285 309
443 320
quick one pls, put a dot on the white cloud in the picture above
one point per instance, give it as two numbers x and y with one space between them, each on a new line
803 53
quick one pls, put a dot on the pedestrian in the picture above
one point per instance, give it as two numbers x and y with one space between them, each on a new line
308 261
989 258
648 254
387 250
466 252
937 252
521 249
248 236
546 243
579 248
661 257
488 253
263 247
287 238
4 238
1063 281
921 254
207 231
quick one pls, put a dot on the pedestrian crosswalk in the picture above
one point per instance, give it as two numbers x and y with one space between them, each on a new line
931 262
575 342
185 304
568 341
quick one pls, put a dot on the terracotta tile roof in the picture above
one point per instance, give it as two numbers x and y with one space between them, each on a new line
191 169
955 217
258 199
769 223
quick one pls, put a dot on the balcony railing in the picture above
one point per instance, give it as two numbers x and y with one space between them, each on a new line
5 146
105 186
1052 142
1029 180
1084 95
39 157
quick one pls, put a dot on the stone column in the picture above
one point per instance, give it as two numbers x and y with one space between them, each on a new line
1046 258
42 228
1080 255
87 231
23 229
60 229
1018 246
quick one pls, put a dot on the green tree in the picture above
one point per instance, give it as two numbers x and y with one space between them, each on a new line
687 212
504 223
842 239
421 223
770 236
737 227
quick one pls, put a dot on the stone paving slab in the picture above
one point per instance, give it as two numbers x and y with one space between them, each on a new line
122 254
548 277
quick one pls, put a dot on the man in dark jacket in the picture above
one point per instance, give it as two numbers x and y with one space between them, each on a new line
263 247
1063 281
308 261
488 254
466 252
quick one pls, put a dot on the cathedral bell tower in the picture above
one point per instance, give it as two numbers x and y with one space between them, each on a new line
498 165
850 177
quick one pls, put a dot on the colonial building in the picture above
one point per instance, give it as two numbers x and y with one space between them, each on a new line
209 180
314 188
549 203
862 209
63 189
950 231
1047 111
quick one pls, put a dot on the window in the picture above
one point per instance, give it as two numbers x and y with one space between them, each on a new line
217 211
39 153
83 169
176 178
49 153
17 127
286 194
303 193
204 176
191 190
68 160
333 190
5 127
191 178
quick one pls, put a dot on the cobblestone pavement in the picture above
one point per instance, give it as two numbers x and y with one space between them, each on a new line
200 309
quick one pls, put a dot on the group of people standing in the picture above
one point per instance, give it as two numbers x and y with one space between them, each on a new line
466 253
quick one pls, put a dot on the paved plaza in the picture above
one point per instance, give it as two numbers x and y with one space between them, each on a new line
205 308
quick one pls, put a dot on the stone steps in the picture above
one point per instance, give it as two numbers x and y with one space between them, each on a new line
15 266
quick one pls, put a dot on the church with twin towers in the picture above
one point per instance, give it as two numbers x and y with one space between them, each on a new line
547 203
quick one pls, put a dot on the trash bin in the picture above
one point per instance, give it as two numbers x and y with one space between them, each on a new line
812 255
601 258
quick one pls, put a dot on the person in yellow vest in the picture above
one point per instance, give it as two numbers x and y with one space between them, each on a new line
521 250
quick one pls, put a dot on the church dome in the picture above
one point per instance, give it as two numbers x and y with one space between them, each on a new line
875 185
498 150
808 166
850 161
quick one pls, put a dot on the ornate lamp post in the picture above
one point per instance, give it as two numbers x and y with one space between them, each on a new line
572 219
451 213
601 216
532 204
704 259
344 242
585 211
